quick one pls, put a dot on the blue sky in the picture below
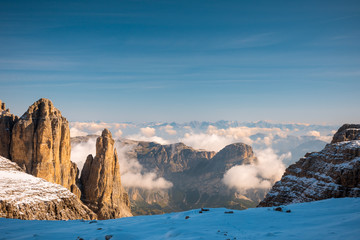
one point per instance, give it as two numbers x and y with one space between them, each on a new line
285 61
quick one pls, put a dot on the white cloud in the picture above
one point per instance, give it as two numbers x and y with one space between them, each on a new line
138 137
211 142
134 175
118 133
132 172
313 133
96 127
215 139
318 136
148 131
169 130
74 132
263 174
80 151
90 127
147 134
245 177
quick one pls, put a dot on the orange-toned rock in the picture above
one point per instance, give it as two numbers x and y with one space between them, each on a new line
102 191
40 144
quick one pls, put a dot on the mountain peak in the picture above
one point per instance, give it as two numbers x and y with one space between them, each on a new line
332 172
106 133
347 132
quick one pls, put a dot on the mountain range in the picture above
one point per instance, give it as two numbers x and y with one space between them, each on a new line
39 180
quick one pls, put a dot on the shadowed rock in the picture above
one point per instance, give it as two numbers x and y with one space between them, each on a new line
7 122
347 132
331 173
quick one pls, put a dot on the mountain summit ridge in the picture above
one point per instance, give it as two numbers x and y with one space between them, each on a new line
333 172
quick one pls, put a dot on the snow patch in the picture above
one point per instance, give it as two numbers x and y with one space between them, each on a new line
21 188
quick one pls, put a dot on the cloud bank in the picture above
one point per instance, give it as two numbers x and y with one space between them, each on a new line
134 175
215 139
263 174
80 151
272 144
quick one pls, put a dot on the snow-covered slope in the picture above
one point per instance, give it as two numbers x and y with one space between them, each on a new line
27 197
326 219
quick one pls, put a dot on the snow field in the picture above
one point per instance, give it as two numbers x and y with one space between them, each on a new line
326 219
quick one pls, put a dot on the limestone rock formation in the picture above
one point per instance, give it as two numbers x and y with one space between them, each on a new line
7 121
196 176
101 184
2 106
331 173
40 144
347 132
233 154
24 196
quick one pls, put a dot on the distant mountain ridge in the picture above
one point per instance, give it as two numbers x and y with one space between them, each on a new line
196 176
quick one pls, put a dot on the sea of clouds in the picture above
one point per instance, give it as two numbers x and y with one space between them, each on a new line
275 145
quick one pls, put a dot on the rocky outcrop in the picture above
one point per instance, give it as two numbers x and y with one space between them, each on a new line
24 196
231 155
196 177
331 173
40 144
101 185
7 122
2 106
347 132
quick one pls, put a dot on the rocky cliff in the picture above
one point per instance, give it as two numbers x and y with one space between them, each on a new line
347 132
101 184
196 176
331 173
40 144
24 196
7 122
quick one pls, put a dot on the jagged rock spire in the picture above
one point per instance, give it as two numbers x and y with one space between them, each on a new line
7 121
101 184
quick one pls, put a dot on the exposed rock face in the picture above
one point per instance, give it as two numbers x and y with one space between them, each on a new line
331 173
41 145
196 176
347 132
7 121
2 106
27 197
101 184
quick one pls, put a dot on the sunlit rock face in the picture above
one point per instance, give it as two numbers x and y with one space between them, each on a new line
40 144
101 183
331 173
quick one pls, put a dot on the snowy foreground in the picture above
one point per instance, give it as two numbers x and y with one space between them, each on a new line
327 219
